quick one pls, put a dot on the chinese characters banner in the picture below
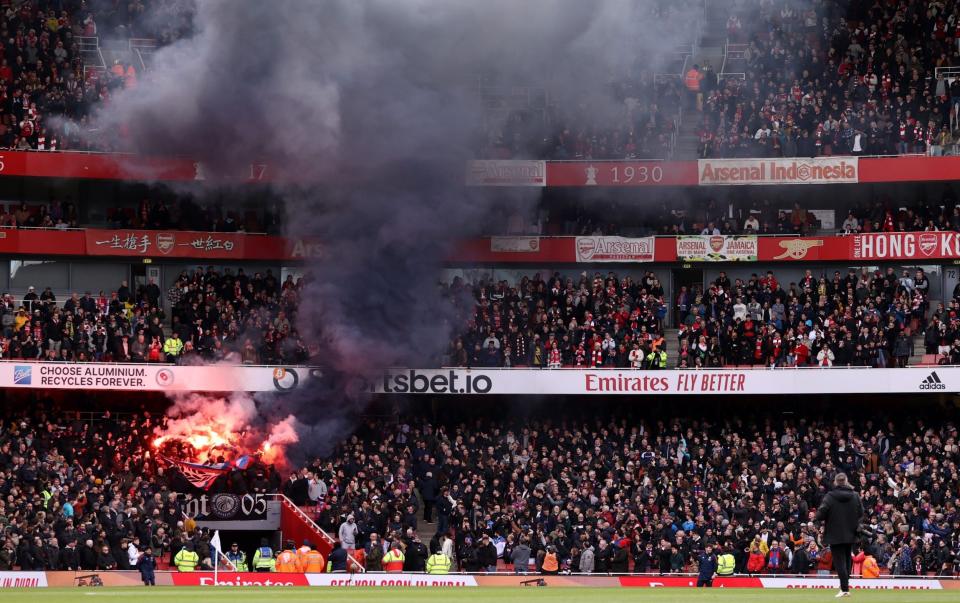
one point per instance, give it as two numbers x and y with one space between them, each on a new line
183 244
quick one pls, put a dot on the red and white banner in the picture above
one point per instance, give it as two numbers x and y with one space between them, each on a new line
514 244
615 249
119 578
391 580
687 581
799 582
506 172
23 579
157 244
621 173
103 166
905 245
855 584
177 244
239 579
718 248
805 381
820 170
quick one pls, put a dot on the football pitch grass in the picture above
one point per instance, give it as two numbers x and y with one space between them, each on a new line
459 595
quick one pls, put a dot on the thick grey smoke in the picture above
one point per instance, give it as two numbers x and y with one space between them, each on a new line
370 108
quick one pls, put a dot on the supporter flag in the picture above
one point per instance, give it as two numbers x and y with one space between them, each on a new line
242 462
201 476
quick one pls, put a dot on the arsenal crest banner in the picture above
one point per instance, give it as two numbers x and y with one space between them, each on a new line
159 243
717 248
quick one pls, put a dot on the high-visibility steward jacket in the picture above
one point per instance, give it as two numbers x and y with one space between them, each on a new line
302 555
288 562
312 562
657 359
692 80
238 559
393 560
726 564
173 346
263 560
870 567
186 561
550 562
438 563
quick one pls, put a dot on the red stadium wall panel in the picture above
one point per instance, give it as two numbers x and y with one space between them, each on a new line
294 526
702 248
621 173
734 172
824 170
105 166
204 246
132 243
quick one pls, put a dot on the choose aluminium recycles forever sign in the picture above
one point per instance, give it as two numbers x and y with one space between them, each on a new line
152 377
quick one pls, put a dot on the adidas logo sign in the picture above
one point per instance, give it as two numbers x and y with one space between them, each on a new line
932 382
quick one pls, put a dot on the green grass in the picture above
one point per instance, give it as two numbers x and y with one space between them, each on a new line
412 595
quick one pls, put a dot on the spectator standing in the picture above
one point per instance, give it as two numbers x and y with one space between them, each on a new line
840 512
707 567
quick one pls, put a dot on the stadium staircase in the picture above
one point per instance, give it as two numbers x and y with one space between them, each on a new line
296 525
710 50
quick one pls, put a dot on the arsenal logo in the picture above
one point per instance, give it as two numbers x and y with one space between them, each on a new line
166 242
586 246
534 244
928 243
716 243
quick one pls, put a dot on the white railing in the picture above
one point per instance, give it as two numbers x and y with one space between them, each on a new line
949 73
141 47
306 518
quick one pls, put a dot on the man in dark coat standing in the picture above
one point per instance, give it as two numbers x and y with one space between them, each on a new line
841 511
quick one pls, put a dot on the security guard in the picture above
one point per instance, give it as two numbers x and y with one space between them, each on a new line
438 563
393 560
726 563
657 359
287 560
263 560
237 557
187 559
173 346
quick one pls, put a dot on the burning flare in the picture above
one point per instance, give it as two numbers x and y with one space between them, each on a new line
212 429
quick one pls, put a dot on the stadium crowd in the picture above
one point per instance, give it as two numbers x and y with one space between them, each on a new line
835 79
42 71
600 494
81 494
859 319
215 316
616 496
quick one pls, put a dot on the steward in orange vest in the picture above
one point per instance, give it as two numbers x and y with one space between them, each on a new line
288 561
